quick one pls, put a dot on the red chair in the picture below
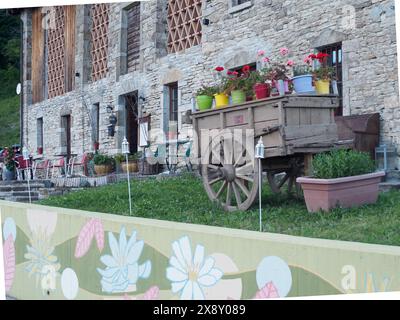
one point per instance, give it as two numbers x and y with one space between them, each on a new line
79 161
22 166
43 165
57 164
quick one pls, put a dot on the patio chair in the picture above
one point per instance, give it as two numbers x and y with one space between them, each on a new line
22 167
57 164
42 165
78 161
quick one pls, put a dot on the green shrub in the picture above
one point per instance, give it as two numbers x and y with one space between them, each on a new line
119 157
207 91
342 163
103 159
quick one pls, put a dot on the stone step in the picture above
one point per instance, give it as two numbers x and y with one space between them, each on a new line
25 199
389 184
21 187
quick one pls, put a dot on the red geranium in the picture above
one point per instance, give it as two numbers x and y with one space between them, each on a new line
246 69
219 69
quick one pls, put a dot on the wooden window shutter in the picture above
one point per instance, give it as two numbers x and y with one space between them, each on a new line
37 56
99 40
56 54
133 51
184 24
70 24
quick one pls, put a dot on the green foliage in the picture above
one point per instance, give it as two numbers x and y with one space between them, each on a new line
103 159
9 156
119 158
207 91
324 73
301 70
342 163
9 121
183 199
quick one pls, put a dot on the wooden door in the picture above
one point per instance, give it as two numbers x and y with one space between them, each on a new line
131 125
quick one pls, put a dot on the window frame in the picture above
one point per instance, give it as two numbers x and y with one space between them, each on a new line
238 5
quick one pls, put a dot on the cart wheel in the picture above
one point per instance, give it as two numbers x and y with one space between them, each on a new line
231 180
278 178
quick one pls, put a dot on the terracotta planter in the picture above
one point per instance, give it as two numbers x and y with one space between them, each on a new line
132 166
102 170
347 192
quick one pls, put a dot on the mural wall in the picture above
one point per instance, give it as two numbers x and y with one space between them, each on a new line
53 253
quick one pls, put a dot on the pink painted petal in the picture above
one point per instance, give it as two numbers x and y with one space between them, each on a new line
84 239
9 262
152 293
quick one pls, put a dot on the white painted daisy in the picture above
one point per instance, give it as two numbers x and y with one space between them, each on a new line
188 274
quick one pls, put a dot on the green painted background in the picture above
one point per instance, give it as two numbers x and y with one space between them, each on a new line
317 267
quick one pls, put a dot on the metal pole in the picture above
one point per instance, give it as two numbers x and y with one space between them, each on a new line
29 187
129 184
260 190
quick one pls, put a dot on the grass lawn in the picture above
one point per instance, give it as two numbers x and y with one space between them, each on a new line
183 199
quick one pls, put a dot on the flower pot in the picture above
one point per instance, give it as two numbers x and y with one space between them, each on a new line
221 100
303 84
8 175
262 90
322 86
204 102
282 86
102 169
238 96
96 146
347 192
40 150
132 166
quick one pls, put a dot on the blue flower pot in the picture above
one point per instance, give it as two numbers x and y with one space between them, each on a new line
303 84
8 175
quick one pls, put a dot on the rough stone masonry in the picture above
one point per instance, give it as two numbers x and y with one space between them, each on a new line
365 29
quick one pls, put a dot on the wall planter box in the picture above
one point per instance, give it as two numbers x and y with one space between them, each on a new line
347 192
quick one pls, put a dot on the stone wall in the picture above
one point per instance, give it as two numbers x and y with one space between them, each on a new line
366 29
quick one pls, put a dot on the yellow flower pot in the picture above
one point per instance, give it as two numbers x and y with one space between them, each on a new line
221 100
322 86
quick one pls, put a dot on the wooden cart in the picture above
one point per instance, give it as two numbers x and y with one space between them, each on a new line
292 127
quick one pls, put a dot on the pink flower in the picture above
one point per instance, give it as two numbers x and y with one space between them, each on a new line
260 53
284 51
266 60
290 63
308 60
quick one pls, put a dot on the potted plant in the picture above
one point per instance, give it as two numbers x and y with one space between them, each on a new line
205 97
221 98
323 74
344 178
237 85
132 162
278 72
103 164
303 78
260 88
9 164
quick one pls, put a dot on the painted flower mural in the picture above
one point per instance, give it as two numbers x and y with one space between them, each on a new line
189 274
41 261
122 268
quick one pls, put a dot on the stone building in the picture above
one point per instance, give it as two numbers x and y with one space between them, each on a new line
82 64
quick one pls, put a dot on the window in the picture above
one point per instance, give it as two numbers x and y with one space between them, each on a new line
239 5
39 134
171 110
53 52
335 61
253 67
133 37
99 40
184 24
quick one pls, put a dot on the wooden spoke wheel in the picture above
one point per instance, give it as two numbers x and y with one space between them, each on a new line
286 177
231 180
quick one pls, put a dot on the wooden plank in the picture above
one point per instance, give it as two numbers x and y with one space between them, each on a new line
70 29
302 135
37 56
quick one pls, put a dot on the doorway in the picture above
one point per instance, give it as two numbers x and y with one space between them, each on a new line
131 121
66 125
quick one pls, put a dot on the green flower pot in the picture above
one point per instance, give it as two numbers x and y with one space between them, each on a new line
204 102
238 96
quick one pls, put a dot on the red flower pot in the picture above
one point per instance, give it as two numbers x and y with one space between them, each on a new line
96 146
40 150
262 90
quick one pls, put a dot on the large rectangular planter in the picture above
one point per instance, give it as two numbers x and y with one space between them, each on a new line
347 192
